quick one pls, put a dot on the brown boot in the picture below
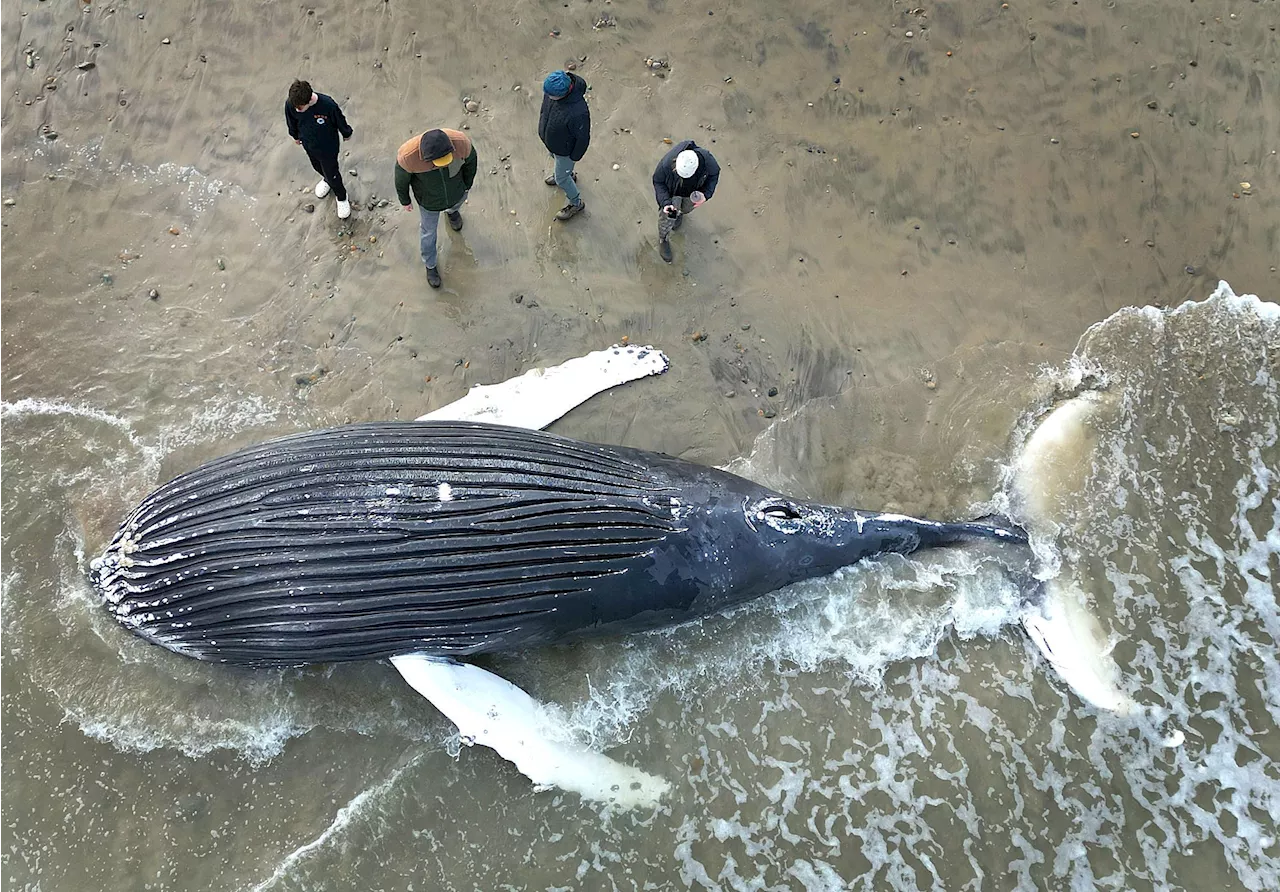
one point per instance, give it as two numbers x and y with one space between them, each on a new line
569 211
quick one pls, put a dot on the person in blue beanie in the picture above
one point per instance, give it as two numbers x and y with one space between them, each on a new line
565 129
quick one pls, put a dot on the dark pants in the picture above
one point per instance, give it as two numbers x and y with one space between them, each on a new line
327 167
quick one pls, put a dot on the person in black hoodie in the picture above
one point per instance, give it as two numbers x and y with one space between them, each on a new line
684 179
315 122
565 129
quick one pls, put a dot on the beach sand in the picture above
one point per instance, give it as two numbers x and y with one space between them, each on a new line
1002 175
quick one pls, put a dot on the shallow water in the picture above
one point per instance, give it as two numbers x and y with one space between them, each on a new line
889 727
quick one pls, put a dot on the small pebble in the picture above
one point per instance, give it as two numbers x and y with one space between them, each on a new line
911 34
472 106
9 202
617 167
166 41
309 208
153 294
773 391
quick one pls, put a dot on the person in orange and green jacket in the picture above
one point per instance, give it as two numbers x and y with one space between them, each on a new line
438 168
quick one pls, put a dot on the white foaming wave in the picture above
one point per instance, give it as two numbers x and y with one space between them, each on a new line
860 620
201 190
356 809
35 406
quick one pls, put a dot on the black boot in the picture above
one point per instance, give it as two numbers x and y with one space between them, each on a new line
664 250
455 219
433 277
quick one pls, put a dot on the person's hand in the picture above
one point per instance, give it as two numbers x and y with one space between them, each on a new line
697 198
670 210
408 207
298 141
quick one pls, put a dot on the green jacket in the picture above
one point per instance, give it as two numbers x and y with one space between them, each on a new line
436 188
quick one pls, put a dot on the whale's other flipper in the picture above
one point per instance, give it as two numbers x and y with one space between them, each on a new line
540 396
492 711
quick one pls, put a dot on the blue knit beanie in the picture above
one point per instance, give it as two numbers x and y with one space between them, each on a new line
557 84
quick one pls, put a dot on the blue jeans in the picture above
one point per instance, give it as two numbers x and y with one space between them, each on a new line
428 223
564 178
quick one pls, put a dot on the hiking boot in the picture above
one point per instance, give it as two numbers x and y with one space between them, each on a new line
344 210
551 178
433 277
571 210
455 219
322 189
664 250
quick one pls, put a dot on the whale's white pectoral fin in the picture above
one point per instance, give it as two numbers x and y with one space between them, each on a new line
540 396
1068 635
492 711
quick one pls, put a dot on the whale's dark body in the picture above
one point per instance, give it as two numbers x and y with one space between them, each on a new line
458 538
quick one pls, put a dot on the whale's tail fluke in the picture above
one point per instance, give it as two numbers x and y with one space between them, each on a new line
1051 470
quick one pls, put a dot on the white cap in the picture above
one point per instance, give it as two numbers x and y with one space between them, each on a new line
686 164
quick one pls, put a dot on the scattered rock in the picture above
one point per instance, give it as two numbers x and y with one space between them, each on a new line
471 105
353 173
1190 270
730 394
769 413
519 298
9 202
728 79
309 208
531 304
604 20
173 230
154 294
1054 141
222 264
911 34
555 32
31 60
746 326
107 280
86 66
310 378
166 41
1134 133
1153 105
617 167
773 391
698 337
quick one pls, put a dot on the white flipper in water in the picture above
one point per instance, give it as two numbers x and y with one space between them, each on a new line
492 711
1052 470
540 396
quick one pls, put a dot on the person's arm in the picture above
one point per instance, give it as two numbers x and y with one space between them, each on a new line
343 127
402 185
581 137
660 190
469 166
713 177
291 122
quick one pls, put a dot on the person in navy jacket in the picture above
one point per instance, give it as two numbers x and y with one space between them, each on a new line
684 179
315 122
564 126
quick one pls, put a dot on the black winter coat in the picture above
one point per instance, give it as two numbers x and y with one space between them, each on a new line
666 183
565 124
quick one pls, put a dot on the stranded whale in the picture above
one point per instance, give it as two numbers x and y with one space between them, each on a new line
462 538
431 542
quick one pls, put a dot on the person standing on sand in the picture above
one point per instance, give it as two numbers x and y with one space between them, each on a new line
315 122
439 167
564 126
684 179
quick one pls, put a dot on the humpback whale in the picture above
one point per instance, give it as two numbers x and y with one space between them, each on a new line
468 532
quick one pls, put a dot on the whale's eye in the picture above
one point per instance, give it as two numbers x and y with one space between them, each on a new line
780 511
782 515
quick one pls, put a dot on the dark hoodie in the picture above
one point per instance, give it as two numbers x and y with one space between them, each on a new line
565 124
318 127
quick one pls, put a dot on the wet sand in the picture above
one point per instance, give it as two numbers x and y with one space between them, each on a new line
895 215
883 204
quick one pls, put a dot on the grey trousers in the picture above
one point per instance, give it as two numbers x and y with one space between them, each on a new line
665 223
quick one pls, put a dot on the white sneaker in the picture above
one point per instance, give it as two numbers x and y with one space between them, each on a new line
322 189
344 210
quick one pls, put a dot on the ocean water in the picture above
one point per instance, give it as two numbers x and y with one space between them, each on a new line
891 726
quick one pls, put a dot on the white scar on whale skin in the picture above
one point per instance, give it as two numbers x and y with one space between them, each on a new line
540 396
